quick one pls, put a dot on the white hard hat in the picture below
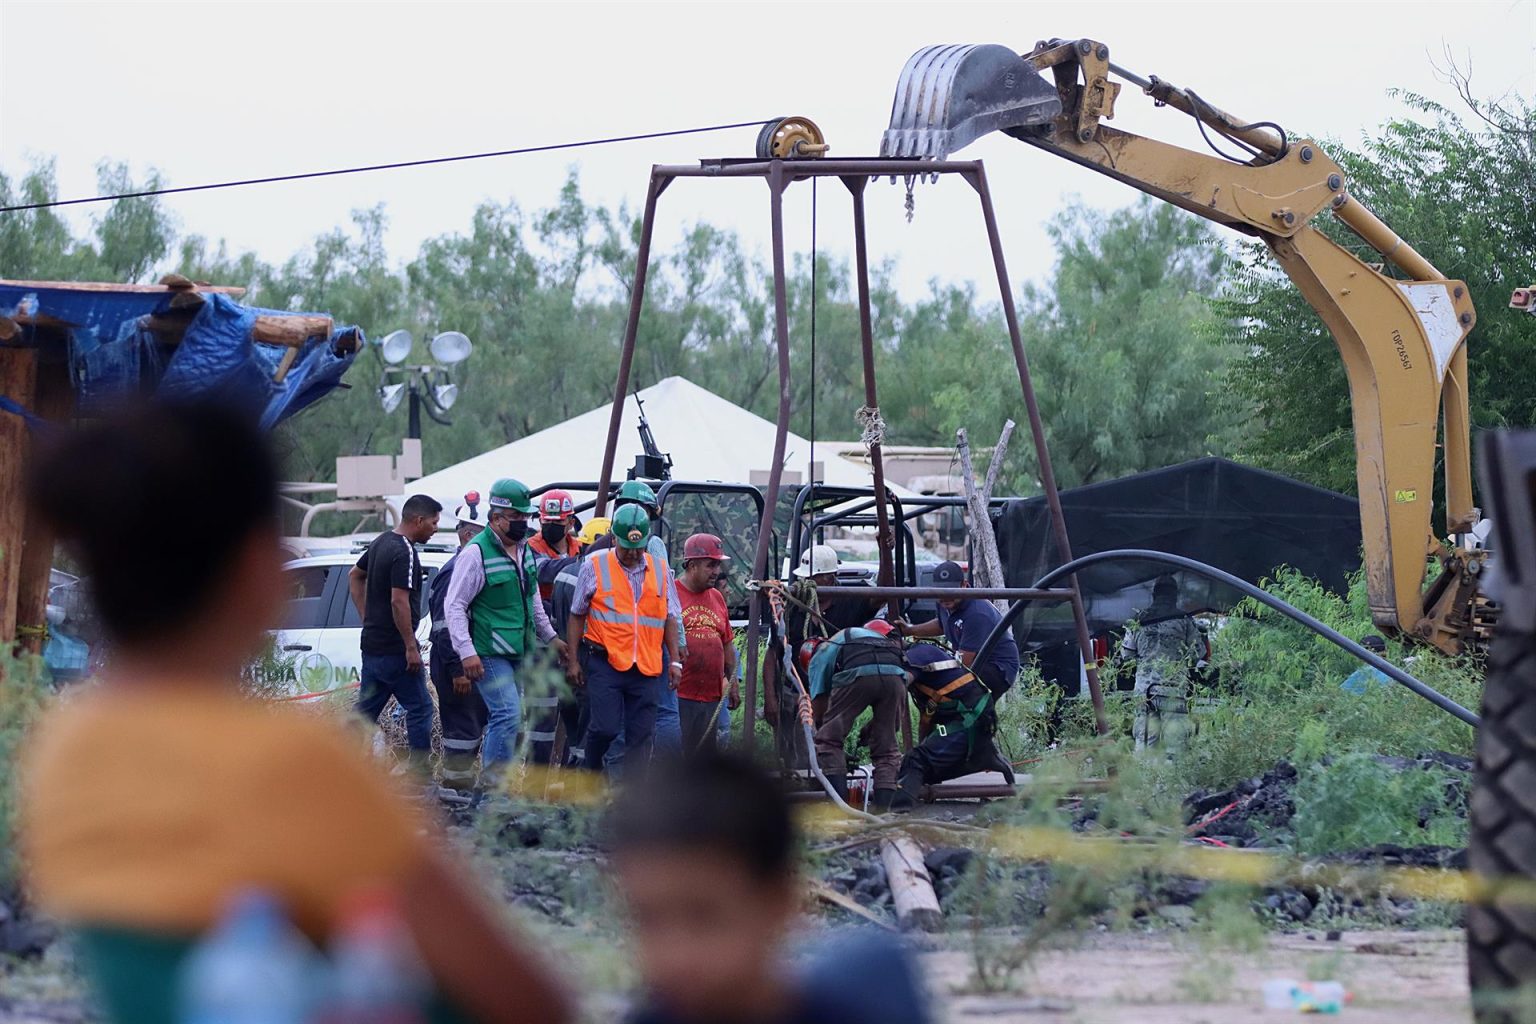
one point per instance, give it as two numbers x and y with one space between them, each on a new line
821 559
471 513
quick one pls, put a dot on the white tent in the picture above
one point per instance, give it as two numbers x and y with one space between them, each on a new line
708 438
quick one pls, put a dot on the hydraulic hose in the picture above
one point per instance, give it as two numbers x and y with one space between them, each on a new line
806 720
1377 662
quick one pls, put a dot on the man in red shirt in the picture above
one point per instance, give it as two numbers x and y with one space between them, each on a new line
710 666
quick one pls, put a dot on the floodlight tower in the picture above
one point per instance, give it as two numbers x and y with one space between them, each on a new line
429 385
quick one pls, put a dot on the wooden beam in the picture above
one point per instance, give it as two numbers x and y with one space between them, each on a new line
55 402
293 331
18 381
917 906
107 286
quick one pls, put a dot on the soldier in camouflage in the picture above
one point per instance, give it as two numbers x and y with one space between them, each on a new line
1164 647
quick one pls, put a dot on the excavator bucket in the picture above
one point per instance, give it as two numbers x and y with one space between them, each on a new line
949 96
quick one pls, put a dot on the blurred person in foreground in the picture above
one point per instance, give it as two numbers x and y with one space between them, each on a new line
705 856
153 798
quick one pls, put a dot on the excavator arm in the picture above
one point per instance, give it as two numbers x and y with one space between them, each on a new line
1402 338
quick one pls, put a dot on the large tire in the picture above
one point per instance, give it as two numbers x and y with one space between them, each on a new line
1501 931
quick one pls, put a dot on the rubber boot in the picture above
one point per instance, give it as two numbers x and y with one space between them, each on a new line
839 784
882 800
904 798
999 763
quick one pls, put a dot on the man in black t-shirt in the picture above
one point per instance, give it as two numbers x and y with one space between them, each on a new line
386 588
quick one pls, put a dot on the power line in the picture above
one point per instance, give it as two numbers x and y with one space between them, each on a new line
380 167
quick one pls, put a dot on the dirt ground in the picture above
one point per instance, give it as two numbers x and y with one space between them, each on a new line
1393 977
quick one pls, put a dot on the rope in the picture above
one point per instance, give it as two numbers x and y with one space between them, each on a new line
380 167
810 474
873 425
808 718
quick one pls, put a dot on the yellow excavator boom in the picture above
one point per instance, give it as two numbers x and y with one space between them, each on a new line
1402 338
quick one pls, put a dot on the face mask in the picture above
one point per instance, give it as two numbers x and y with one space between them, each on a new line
553 533
515 530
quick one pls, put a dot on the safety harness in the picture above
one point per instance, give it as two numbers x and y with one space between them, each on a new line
936 699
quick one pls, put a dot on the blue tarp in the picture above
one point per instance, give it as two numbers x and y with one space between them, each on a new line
112 356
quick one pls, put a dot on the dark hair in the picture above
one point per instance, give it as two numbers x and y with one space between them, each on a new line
110 491
1165 589
717 802
420 506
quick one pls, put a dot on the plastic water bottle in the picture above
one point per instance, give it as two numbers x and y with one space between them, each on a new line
377 976
253 968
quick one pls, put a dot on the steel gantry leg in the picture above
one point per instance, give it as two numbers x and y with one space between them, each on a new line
978 181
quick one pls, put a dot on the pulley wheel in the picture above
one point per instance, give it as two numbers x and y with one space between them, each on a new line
791 138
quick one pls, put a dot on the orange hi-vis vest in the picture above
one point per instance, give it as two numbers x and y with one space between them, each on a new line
631 627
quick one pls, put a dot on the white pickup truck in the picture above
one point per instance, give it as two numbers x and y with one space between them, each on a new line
317 646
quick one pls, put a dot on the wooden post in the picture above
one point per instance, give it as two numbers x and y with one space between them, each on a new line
18 381
917 906
55 402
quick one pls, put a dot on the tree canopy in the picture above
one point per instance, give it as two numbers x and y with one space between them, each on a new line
1153 340
1461 188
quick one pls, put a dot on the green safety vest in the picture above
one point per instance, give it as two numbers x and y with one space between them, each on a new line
501 615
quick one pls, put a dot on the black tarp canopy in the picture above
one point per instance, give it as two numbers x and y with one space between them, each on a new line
1247 521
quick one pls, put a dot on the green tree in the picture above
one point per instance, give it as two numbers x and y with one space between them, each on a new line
128 240
1124 357
1461 188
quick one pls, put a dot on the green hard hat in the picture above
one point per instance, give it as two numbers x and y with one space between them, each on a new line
635 491
512 494
631 527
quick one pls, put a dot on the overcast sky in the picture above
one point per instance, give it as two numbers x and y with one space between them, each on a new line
210 91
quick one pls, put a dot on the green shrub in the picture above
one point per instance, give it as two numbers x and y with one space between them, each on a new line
24 693
1279 694
1356 801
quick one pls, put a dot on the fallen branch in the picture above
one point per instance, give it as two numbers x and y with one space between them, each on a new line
824 892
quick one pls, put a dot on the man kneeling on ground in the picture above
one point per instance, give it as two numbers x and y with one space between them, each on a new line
959 719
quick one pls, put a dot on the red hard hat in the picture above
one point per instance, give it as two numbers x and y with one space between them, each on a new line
807 651
555 505
704 545
880 626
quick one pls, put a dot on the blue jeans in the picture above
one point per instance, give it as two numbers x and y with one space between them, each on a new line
723 728
669 726
619 703
385 676
498 688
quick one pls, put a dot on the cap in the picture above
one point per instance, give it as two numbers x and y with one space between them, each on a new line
598 527
704 545
947 574
818 561
880 626
556 505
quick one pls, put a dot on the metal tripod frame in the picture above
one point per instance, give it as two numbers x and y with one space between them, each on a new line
855 174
